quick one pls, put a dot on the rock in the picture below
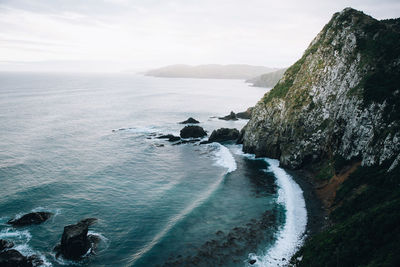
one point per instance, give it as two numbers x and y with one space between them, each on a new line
190 120
75 241
186 142
348 109
222 135
246 115
252 261
4 244
230 117
170 137
159 145
192 131
31 218
13 258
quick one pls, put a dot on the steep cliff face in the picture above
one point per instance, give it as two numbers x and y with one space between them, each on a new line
341 100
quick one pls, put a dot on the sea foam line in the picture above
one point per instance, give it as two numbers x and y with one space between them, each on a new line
225 159
291 236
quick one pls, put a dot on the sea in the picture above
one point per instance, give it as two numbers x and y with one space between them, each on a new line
85 145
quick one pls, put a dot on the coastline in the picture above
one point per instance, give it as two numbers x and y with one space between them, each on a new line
316 212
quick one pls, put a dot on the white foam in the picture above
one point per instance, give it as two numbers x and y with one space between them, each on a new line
223 156
291 235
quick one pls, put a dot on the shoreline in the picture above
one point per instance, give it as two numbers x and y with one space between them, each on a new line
317 214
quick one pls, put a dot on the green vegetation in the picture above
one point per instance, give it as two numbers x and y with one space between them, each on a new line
366 229
325 172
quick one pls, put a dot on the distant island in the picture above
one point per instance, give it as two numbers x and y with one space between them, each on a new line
211 71
268 80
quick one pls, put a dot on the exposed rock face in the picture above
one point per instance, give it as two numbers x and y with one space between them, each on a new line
31 218
192 132
75 241
230 117
190 120
341 99
223 134
245 114
4 244
12 258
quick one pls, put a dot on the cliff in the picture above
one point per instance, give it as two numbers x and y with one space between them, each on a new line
335 115
267 80
340 100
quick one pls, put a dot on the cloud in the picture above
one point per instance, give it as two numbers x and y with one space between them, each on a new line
158 32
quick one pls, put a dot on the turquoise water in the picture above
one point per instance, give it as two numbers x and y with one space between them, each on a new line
82 146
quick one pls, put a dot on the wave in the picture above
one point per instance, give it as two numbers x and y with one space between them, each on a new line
223 157
21 240
291 235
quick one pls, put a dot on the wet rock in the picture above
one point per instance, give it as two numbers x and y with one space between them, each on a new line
192 131
245 114
252 261
159 145
31 218
170 137
186 142
4 244
190 120
222 135
230 117
75 241
13 258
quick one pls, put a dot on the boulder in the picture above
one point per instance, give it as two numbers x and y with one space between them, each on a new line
222 135
230 117
75 241
13 258
4 244
190 120
192 131
31 218
252 261
170 137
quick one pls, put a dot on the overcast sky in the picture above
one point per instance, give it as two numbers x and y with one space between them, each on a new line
117 35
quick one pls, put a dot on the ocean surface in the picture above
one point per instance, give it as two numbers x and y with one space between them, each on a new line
83 145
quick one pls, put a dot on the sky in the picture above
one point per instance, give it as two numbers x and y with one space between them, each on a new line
135 35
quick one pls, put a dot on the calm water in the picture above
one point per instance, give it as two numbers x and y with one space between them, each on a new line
168 205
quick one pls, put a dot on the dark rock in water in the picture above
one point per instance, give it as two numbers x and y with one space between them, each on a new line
186 142
158 145
31 218
252 261
75 241
190 120
222 135
5 244
239 140
230 117
245 114
170 137
13 258
192 131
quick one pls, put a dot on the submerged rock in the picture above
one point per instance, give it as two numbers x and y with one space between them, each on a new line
190 120
222 135
170 137
192 131
252 261
13 258
4 244
31 218
75 241
230 117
